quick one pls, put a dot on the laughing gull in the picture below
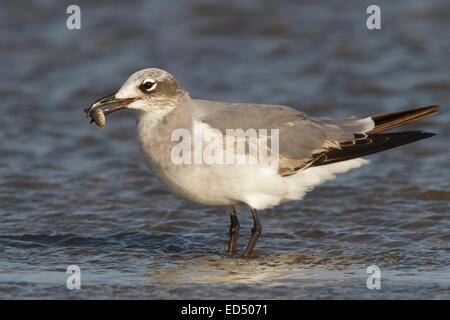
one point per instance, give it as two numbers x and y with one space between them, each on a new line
308 150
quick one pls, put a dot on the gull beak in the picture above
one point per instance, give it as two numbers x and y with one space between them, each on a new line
117 104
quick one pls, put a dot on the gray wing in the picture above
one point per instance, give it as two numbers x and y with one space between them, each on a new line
301 137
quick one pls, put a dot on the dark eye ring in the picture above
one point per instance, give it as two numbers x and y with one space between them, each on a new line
148 85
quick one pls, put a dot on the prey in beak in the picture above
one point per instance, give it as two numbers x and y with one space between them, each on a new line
98 115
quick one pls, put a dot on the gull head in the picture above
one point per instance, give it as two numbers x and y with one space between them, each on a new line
145 90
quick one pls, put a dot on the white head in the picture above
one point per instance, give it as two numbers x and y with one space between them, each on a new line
146 90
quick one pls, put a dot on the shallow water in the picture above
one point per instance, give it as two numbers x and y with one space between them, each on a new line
71 193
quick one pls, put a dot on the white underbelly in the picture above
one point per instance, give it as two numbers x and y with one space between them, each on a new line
256 186
195 183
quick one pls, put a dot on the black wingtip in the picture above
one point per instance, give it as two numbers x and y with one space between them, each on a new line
428 134
372 144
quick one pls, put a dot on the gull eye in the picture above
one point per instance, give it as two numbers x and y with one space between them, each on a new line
148 85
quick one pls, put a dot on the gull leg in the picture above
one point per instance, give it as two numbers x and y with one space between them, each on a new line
234 230
256 231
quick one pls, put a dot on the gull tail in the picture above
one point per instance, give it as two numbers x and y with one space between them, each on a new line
384 122
375 141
